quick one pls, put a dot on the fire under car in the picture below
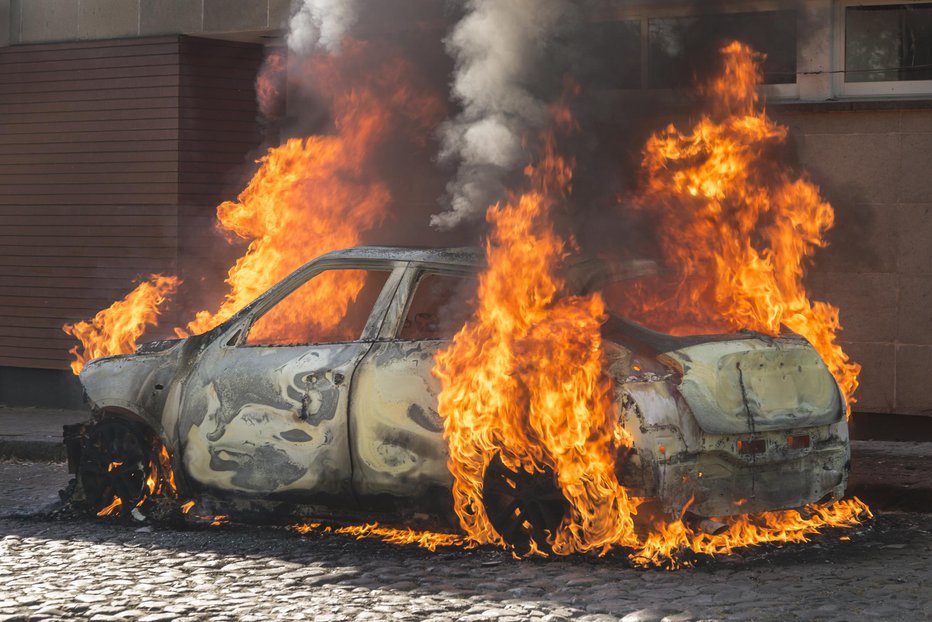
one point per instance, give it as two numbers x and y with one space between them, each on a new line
273 422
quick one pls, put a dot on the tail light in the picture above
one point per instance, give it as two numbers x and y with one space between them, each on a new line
752 446
798 441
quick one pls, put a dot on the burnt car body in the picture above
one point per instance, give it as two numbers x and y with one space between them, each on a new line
722 424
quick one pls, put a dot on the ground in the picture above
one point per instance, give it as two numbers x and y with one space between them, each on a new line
95 569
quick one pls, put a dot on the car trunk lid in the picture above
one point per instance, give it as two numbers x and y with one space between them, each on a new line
749 385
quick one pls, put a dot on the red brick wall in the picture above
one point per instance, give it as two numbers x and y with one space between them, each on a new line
99 143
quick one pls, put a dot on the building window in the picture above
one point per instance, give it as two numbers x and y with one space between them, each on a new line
681 47
888 42
883 48
620 43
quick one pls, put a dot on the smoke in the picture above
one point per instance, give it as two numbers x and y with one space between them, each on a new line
502 81
320 24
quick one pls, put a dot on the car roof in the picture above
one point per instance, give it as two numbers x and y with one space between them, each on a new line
462 256
583 274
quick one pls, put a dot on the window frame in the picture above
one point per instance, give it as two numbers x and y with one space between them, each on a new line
398 310
866 90
644 13
278 292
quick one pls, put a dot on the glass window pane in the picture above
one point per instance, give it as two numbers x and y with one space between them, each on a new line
440 307
332 307
613 55
890 42
682 48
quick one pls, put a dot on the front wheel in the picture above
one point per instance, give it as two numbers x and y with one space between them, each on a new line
114 469
524 508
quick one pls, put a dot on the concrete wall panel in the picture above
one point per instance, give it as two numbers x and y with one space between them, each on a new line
864 239
913 379
914 239
16 18
108 19
171 16
235 15
279 13
854 168
915 310
867 303
6 26
916 172
48 20
878 361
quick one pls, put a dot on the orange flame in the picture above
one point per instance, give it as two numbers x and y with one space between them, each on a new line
315 195
116 329
425 539
113 507
309 196
270 84
736 226
523 379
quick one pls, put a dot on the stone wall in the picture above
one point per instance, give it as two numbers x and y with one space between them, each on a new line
875 166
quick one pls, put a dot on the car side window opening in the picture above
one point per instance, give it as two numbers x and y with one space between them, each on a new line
441 305
332 307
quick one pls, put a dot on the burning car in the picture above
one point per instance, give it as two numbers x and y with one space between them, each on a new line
302 411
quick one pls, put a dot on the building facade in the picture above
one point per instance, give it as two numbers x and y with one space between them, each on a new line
121 121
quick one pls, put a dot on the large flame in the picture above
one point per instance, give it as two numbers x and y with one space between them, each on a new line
736 226
310 196
116 329
314 195
522 380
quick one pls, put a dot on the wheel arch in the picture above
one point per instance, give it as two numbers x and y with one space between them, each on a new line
138 420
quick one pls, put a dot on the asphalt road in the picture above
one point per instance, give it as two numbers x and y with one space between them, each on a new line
98 570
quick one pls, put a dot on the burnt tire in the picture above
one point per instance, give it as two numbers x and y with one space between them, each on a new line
115 462
523 507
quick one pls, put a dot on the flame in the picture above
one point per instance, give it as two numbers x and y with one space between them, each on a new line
186 506
664 545
425 539
110 509
736 227
116 329
310 196
317 194
270 85
522 379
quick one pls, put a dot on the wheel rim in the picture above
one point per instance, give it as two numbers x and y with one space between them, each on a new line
114 463
523 507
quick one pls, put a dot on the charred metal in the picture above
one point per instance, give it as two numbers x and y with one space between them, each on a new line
330 428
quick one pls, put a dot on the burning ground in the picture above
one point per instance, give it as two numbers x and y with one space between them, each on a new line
523 382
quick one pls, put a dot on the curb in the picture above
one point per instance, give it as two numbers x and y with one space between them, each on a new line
32 451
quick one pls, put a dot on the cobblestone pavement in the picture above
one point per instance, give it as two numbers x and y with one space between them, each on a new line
93 569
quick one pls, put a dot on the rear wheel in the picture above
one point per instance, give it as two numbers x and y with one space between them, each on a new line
523 507
115 463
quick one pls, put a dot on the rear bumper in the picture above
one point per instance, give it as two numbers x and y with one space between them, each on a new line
721 484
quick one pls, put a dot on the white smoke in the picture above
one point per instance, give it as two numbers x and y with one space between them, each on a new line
320 24
499 47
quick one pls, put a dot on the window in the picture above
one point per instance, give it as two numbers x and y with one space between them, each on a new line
441 306
891 42
613 55
882 48
332 307
681 47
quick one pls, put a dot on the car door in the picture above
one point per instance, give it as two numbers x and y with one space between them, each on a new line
265 410
396 433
